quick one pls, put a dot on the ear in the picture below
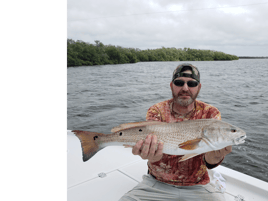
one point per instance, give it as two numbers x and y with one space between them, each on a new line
170 85
200 86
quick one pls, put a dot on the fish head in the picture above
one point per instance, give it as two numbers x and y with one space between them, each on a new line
220 134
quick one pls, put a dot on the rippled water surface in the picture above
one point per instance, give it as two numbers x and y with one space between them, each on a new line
101 97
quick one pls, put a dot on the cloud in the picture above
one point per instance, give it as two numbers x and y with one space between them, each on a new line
221 25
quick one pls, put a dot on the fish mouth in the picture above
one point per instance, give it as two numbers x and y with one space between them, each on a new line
240 140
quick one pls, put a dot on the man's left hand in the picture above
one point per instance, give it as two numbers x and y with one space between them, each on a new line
214 157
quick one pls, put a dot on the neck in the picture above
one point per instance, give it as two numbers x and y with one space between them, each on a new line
183 109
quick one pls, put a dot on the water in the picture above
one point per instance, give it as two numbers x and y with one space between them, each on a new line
101 97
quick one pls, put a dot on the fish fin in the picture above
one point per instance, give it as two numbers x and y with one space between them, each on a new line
190 144
188 156
135 124
88 143
127 146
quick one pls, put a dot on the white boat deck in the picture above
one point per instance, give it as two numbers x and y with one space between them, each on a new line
122 171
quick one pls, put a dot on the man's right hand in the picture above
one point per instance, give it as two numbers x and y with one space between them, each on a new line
148 150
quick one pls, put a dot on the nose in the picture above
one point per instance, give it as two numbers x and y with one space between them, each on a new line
185 87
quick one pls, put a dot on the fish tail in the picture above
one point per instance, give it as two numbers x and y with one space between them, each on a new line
89 143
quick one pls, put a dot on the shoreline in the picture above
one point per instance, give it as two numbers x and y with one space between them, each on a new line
248 57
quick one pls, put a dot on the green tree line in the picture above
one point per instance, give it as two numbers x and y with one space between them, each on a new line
80 53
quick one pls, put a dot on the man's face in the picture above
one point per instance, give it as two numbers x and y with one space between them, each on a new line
184 95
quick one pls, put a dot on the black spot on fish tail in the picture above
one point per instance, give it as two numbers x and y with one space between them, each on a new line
88 142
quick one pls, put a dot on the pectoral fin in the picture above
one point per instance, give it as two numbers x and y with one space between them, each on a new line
190 144
188 156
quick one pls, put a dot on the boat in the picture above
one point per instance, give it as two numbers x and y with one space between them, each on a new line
114 170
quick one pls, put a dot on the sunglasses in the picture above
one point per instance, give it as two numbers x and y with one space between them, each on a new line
180 83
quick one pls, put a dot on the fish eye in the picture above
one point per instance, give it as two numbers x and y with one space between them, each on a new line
233 130
120 133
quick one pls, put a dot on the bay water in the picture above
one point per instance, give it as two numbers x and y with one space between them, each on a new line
101 97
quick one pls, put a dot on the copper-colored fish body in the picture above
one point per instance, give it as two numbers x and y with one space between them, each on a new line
189 138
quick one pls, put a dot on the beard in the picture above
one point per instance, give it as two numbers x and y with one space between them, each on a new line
184 102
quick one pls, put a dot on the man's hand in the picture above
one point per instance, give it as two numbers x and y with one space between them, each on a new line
214 157
148 150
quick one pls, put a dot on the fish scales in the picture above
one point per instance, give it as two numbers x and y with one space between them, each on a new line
188 138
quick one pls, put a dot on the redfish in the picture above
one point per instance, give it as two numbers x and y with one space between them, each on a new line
188 138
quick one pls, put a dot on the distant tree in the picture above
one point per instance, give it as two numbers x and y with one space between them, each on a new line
82 53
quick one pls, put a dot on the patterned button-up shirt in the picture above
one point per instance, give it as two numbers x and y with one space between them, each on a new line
192 171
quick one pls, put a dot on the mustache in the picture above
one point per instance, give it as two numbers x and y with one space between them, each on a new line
184 93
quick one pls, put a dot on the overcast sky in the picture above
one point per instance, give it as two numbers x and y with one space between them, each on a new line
234 27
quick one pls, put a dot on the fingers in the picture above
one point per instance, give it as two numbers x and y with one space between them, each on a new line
159 151
151 152
137 147
228 149
149 149
146 147
223 152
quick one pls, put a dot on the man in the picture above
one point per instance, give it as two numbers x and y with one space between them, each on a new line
169 179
